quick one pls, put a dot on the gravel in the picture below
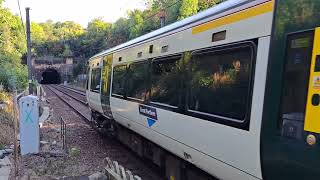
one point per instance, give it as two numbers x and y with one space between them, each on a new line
88 146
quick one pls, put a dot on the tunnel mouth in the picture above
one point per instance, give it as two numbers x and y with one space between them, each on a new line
50 76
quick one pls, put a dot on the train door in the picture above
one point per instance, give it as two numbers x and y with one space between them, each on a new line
95 87
290 144
106 85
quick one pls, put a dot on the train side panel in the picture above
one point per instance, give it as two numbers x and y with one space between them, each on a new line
211 145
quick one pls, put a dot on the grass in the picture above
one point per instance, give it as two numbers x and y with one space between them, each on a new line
2 146
6 123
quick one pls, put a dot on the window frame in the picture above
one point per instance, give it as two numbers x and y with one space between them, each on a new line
92 70
163 59
87 78
108 80
183 107
112 80
283 83
147 89
244 123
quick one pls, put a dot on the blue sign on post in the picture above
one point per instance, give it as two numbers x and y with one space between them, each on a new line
29 124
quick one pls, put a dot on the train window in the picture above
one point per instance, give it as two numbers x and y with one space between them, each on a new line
219 36
137 76
95 79
164 81
118 81
220 82
106 75
87 79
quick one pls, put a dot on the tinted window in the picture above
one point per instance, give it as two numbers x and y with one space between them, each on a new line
295 85
119 79
87 78
95 79
106 76
137 80
106 85
220 81
165 81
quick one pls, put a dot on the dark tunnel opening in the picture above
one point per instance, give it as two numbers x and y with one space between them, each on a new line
50 76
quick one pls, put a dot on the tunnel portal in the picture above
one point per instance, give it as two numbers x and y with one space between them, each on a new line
51 76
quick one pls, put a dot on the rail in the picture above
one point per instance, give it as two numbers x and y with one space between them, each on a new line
67 94
78 91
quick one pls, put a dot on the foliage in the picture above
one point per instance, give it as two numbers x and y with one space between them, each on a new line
70 39
205 4
188 8
12 47
6 126
135 22
50 38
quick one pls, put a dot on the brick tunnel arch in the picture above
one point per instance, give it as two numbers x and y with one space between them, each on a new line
50 76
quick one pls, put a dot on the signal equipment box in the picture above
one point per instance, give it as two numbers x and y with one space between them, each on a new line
29 125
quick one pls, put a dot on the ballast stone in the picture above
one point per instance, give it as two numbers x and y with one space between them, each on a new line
8 151
1 154
98 176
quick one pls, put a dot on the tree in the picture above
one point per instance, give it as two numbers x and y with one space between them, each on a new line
171 8
48 27
205 4
135 23
188 8
67 30
100 35
95 38
12 47
37 33
119 33
98 26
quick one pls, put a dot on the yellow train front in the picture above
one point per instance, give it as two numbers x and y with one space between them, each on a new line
229 93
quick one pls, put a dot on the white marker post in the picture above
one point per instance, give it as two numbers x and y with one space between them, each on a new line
29 125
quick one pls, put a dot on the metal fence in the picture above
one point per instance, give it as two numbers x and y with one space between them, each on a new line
63 133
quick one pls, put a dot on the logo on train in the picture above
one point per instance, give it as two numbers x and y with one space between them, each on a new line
150 113
316 82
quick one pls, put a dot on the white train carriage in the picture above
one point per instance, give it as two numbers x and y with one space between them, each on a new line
191 95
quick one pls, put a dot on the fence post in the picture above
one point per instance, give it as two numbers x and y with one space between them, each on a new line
63 134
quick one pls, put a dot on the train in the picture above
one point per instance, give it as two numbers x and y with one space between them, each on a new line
230 93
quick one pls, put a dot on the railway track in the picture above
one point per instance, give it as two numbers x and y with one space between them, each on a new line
75 90
72 93
79 106
115 150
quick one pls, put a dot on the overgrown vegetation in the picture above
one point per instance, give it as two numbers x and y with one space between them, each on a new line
6 120
69 38
12 46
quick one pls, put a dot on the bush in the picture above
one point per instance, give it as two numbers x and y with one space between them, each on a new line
6 126
6 120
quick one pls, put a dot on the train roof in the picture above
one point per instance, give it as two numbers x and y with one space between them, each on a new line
216 10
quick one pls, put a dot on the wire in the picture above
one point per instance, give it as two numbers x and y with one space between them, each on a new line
22 23
151 16
162 9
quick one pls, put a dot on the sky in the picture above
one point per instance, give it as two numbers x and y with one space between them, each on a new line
79 11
